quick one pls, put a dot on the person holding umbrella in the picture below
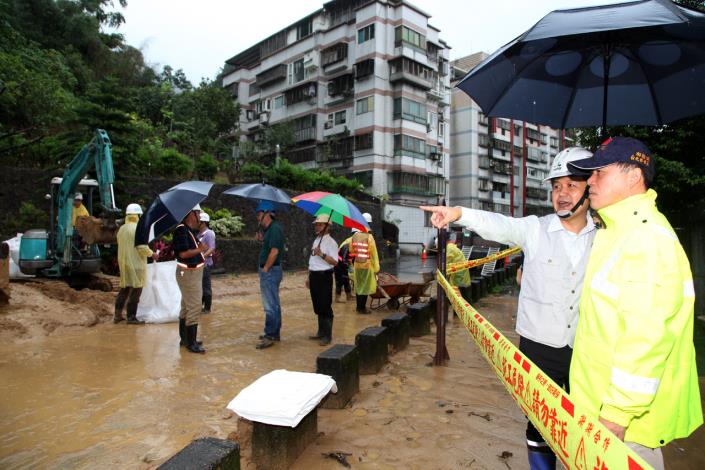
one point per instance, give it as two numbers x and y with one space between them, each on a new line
556 249
634 360
189 277
270 272
324 257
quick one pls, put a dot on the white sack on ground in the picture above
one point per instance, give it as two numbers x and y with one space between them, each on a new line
160 301
282 397
14 244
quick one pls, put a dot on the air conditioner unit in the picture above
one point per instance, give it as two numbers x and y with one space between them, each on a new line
311 60
264 117
328 125
435 156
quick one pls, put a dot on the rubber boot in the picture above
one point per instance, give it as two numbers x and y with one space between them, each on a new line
327 331
542 460
348 296
182 333
318 335
117 318
132 315
207 300
191 334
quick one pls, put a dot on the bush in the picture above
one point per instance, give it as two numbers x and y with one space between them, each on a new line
227 227
173 163
206 167
290 176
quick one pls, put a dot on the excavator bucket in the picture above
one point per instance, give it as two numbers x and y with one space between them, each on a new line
95 230
4 273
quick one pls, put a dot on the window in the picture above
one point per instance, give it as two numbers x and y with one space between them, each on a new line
342 85
364 68
301 93
441 129
279 102
334 54
402 34
296 71
554 142
364 141
364 178
304 29
410 110
482 140
337 118
365 105
407 145
366 33
484 161
426 185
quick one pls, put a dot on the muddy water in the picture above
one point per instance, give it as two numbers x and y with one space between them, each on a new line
118 396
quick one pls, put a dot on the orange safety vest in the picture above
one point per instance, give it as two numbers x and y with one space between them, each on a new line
360 248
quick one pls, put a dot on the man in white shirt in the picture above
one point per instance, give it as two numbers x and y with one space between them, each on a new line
324 257
556 249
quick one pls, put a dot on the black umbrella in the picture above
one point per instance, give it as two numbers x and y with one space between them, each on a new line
169 208
556 72
262 192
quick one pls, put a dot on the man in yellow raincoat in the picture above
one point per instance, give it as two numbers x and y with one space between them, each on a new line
454 255
634 360
365 267
133 267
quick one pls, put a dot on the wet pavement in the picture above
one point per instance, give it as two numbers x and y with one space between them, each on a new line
118 396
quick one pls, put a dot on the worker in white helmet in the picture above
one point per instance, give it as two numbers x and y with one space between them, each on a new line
132 261
556 249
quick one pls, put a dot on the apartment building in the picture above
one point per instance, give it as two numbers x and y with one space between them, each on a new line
366 86
498 164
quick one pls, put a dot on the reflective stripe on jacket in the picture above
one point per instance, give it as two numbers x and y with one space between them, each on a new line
634 359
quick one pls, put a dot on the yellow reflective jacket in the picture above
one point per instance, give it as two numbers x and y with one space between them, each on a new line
366 265
131 259
634 359
77 212
454 255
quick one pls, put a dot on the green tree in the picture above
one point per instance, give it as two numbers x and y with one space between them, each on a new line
206 167
173 163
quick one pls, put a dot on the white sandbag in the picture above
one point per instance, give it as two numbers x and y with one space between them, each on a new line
282 398
160 301
14 244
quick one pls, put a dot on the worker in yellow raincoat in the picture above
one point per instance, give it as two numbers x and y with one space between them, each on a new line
453 256
133 267
366 265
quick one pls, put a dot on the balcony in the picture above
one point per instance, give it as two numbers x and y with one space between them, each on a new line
271 76
409 71
410 78
305 134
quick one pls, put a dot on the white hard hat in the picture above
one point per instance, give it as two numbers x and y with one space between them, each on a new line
78 197
133 209
204 217
560 163
197 207
368 217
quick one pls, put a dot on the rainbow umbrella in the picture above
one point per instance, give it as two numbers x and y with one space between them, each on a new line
341 211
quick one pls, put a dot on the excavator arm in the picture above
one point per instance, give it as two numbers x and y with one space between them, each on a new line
97 153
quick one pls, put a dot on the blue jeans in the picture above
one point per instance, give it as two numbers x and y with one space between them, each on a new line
269 291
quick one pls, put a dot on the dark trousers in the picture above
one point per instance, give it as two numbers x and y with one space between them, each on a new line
361 302
132 296
321 288
342 279
206 283
555 362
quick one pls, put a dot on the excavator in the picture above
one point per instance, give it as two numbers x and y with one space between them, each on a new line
65 251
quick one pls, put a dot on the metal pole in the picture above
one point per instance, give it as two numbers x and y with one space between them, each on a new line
606 59
441 355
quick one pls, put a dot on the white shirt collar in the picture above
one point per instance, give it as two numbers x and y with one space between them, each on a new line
556 225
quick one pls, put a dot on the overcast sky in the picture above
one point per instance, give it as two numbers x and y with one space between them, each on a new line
198 36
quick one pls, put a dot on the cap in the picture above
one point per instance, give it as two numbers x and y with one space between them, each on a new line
560 163
322 219
133 209
368 217
204 217
78 197
264 206
618 150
